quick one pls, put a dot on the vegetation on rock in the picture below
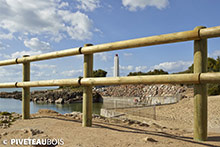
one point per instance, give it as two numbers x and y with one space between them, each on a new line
154 72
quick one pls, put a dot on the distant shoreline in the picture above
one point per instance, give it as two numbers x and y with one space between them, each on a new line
31 89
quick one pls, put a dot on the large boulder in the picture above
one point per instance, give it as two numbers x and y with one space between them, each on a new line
59 101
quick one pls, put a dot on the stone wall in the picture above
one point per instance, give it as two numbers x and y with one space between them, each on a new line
145 91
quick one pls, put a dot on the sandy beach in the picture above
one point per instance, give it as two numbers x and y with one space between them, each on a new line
175 128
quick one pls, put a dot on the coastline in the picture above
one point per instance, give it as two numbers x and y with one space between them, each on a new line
57 96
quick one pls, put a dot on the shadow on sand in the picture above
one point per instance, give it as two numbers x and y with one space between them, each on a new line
128 129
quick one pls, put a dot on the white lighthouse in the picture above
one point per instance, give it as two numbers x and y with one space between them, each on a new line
116 66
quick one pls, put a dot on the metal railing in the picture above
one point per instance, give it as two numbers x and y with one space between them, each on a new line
199 77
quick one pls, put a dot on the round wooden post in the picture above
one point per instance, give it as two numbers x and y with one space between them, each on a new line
200 90
87 92
26 91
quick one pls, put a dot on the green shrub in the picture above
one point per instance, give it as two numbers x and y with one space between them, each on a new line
5 113
213 89
4 121
154 72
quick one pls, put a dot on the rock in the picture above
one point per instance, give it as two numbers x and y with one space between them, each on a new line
95 116
149 139
67 114
4 127
59 101
46 111
4 134
51 101
144 124
130 122
35 100
16 115
32 131
76 113
124 120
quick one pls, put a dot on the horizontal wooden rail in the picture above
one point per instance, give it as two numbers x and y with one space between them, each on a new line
200 78
210 78
133 43
150 79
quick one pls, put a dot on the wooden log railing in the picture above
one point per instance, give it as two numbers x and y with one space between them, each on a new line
199 78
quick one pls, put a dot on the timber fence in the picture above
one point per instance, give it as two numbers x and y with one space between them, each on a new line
199 78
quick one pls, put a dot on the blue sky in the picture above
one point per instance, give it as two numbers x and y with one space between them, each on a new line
35 27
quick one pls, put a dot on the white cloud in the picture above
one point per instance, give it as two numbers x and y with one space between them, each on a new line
21 53
88 5
72 73
127 54
123 70
38 72
141 68
43 17
2 46
128 67
5 36
215 53
79 25
103 56
63 5
11 74
133 5
173 66
43 66
36 44
43 71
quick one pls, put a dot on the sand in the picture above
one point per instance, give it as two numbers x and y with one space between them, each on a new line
173 127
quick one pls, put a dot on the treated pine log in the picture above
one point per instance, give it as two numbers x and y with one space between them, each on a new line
61 82
87 90
210 77
149 79
133 43
26 91
200 90
210 32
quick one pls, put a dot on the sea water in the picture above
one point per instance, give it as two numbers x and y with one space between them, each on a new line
13 105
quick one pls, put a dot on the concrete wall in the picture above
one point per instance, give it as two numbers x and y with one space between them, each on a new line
118 102
110 104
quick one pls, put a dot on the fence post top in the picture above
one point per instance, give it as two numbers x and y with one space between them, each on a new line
198 28
88 44
25 59
26 55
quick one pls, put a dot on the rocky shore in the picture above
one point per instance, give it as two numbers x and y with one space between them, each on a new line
59 96
68 96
